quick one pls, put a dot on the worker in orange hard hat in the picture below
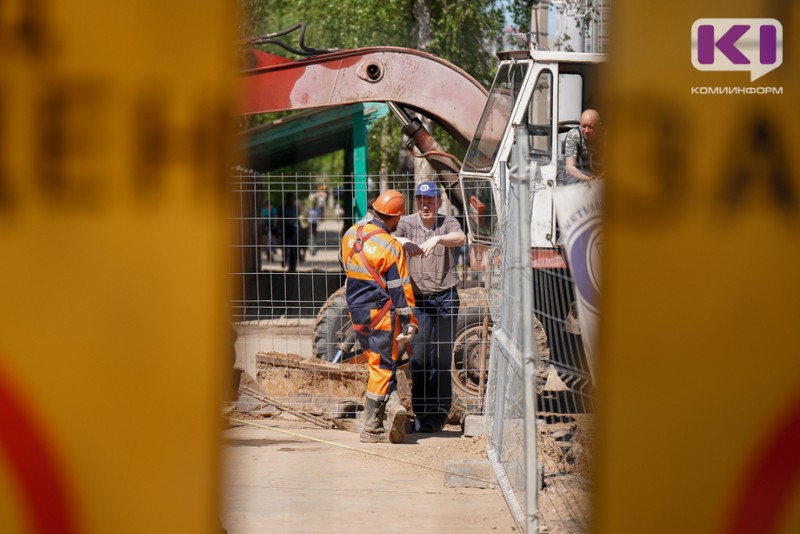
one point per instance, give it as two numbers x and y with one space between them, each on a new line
380 299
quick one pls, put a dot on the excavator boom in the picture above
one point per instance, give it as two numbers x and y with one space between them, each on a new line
413 79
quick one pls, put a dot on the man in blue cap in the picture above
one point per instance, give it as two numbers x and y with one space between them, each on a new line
429 239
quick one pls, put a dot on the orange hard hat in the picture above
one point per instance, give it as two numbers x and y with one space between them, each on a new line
390 203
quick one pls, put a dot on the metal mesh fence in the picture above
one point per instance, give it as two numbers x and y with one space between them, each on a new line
291 320
287 299
559 424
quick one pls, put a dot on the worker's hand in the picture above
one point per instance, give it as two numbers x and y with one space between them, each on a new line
412 249
430 245
408 334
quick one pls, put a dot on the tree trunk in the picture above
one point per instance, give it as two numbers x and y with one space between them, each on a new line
422 17
383 171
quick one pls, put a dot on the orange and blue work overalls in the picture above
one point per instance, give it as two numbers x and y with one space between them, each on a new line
379 297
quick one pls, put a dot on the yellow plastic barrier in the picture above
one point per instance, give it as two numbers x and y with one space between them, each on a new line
114 346
699 418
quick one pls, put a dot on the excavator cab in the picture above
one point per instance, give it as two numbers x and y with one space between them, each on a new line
546 92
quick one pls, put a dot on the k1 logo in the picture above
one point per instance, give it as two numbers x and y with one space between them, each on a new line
737 44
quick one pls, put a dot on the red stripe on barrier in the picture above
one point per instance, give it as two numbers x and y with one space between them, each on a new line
763 502
34 469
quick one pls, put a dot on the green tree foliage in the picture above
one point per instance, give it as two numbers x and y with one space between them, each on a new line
584 11
466 33
342 24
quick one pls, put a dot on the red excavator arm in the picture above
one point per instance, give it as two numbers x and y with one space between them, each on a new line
412 79
402 77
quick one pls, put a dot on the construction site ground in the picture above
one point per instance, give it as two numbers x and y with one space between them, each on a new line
284 472
286 469
285 475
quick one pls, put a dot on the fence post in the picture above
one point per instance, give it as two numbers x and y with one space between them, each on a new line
522 232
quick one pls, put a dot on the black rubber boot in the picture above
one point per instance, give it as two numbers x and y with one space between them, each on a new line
374 412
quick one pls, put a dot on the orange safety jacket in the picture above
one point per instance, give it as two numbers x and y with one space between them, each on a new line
377 275
379 297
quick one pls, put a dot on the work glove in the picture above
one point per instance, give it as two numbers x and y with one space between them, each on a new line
409 331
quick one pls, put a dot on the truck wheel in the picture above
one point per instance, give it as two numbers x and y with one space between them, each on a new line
466 371
331 327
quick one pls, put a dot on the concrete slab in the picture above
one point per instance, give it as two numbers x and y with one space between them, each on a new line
474 425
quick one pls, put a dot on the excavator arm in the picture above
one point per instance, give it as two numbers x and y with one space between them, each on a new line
412 79
407 79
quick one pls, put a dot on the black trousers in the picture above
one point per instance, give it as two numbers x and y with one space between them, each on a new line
431 361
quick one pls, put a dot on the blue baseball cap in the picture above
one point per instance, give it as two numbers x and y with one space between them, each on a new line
427 189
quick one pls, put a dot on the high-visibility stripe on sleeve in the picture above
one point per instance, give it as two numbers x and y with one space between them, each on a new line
400 282
403 311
